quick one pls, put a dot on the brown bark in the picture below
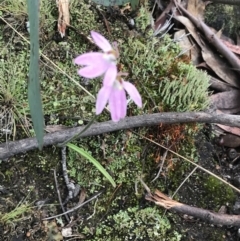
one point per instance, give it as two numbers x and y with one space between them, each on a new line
208 216
15 147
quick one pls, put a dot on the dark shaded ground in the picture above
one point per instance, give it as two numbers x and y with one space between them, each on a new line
27 179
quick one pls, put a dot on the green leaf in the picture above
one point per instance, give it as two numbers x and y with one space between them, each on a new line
34 94
93 161
134 3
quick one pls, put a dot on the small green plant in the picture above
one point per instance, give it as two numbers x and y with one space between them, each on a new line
168 82
143 19
14 7
186 93
17 214
85 154
13 95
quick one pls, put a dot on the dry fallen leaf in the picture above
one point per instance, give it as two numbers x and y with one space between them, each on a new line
230 140
217 84
218 65
188 47
227 102
64 17
230 129
234 48
213 60
196 8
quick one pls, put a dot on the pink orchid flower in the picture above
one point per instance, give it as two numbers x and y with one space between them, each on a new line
96 64
115 95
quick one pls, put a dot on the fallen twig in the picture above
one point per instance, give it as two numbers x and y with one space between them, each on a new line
15 147
59 196
161 166
208 216
73 189
162 200
74 208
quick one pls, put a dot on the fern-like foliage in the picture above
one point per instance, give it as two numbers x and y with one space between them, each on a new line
186 93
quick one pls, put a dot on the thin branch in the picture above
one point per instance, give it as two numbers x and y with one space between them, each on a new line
73 189
64 166
74 208
161 166
190 174
59 196
162 200
208 216
15 147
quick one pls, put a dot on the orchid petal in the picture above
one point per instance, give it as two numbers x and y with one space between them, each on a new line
102 98
110 75
101 41
133 92
118 104
89 58
93 71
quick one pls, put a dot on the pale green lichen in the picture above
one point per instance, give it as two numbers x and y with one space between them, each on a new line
135 224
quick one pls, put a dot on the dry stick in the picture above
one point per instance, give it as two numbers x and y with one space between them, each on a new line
70 185
59 195
161 166
215 218
212 38
162 200
64 166
15 147
190 174
75 208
